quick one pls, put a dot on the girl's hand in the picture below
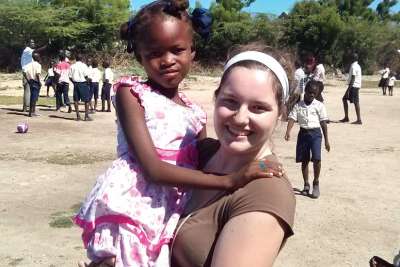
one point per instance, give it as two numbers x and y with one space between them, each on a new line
264 168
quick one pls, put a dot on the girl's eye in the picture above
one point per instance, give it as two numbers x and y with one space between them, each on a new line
153 54
178 50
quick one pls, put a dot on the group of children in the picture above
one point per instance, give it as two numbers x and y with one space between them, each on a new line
387 81
84 77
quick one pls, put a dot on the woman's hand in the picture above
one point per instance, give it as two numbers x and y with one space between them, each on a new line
264 168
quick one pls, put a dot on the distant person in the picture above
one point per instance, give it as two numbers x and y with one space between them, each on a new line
312 117
26 58
61 71
79 75
32 73
383 83
300 78
95 78
108 77
392 79
352 92
49 80
319 76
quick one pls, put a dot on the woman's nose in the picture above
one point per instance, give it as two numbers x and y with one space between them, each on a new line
241 116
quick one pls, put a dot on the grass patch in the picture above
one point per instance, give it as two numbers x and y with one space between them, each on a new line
77 159
17 100
15 262
63 219
369 84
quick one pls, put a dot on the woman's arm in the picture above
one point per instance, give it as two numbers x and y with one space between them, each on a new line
254 238
131 116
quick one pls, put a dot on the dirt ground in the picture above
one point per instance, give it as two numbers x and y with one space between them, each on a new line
45 173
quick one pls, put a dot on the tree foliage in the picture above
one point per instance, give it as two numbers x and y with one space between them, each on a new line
87 25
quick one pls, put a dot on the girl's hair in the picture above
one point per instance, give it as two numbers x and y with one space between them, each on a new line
284 59
134 30
95 64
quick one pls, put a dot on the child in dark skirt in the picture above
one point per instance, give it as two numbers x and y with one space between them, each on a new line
108 77
312 117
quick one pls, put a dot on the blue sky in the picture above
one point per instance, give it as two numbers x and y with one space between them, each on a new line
268 6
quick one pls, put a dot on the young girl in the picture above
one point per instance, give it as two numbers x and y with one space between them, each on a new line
129 217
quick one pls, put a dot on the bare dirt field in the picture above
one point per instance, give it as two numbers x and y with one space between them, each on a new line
45 173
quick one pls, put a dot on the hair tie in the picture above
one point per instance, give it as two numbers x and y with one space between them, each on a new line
202 21
267 61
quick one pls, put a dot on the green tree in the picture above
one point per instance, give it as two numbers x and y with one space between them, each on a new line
383 8
312 27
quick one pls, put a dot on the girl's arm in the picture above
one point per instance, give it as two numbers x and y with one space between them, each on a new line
324 128
131 116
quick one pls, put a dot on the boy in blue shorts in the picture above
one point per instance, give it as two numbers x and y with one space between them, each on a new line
312 117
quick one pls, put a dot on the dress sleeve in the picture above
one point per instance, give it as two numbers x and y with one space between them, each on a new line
137 88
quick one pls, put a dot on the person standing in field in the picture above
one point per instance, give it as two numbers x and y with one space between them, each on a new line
352 92
312 117
95 78
61 72
32 73
79 75
49 80
108 77
392 79
319 76
383 83
26 58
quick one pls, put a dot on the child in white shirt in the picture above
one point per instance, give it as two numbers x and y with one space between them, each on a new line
311 116
392 79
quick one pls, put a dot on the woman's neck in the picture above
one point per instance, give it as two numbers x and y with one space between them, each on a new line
225 162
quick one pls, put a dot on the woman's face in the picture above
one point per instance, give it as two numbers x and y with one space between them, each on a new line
246 110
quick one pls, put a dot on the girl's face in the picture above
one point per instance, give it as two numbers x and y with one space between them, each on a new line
246 111
166 51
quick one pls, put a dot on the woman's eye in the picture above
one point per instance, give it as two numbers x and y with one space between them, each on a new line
260 108
229 103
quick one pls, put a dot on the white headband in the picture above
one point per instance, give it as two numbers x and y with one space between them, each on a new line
269 62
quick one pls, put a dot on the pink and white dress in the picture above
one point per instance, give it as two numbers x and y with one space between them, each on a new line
127 216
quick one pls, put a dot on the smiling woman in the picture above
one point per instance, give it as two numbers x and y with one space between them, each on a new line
257 219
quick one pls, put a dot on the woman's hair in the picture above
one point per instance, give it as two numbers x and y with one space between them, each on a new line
134 30
284 59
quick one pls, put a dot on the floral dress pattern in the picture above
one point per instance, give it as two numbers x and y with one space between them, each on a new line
127 216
